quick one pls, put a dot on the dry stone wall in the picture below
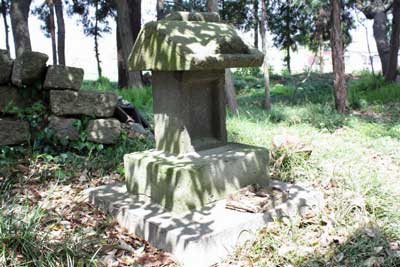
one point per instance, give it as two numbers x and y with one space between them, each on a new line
28 79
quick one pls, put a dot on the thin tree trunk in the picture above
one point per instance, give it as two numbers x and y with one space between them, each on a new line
288 37
96 42
160 9
52 29
338 57
371 59
60 31
19 21
230 93
321 57
256 23
263 31
394 43
288 60
122 71
4 9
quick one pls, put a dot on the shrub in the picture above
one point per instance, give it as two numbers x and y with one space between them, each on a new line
372 89
141 98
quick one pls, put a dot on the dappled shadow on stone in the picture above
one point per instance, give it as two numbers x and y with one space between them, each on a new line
194 180
212 230
184 45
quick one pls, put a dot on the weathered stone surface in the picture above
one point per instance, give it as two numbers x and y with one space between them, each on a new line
189 110
104 131
64 128
29 69
203 237
13 132
62 77
190 181
6 65
194 16
191 45
90 103
11 97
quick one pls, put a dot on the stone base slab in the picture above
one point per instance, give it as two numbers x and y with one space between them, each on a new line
198 238
191 181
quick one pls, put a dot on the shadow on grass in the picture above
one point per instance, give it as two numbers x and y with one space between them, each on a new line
366 247
319 114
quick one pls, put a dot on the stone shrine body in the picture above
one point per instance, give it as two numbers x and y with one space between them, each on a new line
192 165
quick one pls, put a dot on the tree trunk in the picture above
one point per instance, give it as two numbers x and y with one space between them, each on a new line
4 10
288 37
19 21
321 53
60 31
135 8
382 43
160 9
264 40
129 23
394 43
288 60
212 6
256 22
178 5
52 31
338 57
122 71
230 91
96 42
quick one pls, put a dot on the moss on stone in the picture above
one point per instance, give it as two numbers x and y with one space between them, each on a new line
191 181
191 45
194 16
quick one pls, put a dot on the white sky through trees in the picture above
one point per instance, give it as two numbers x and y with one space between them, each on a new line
80 48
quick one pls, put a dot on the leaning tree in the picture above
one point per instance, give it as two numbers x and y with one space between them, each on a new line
387 44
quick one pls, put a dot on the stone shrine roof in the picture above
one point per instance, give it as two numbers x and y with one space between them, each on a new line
194 16
187 41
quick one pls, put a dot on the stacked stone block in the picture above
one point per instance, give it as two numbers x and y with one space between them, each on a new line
17 79
68 103
27 79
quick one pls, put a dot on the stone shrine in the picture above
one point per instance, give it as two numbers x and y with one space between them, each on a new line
174 195
193 164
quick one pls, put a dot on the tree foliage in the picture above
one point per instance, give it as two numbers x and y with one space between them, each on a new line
290 24
94 16
88 15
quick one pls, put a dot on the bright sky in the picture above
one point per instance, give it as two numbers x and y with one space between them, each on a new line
80 49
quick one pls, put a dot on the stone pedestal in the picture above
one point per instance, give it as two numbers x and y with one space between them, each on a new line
203 237
191 181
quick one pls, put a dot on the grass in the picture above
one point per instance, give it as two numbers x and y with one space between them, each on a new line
355 162
353 159
25 244
141 98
